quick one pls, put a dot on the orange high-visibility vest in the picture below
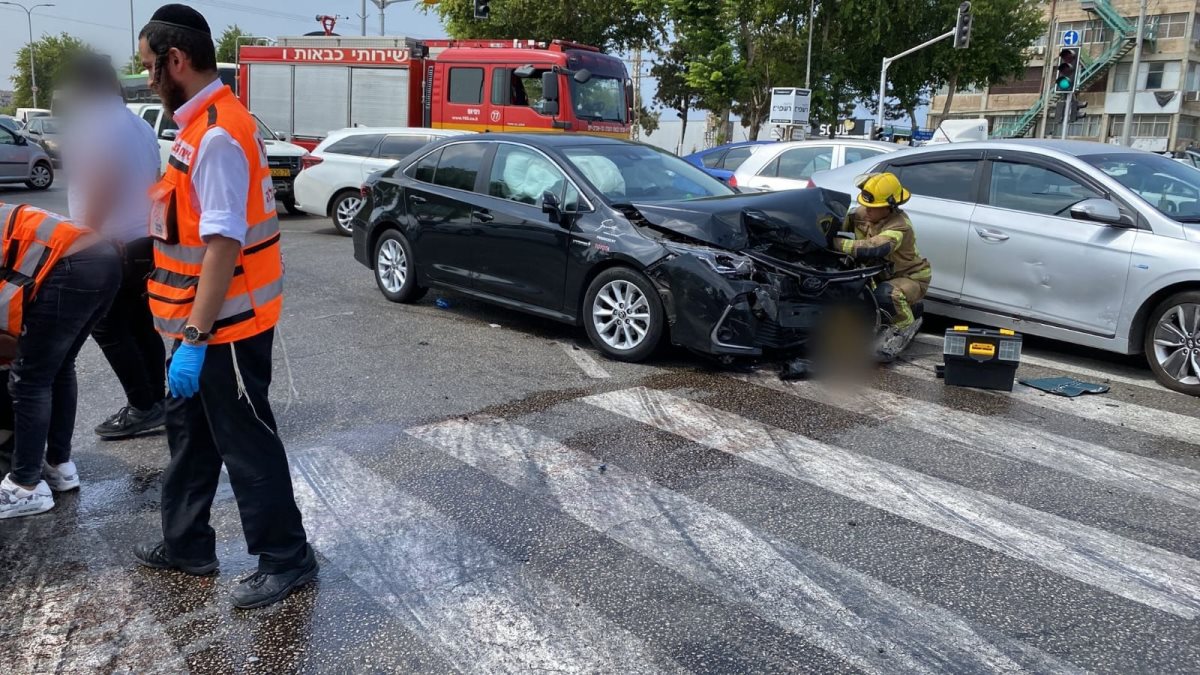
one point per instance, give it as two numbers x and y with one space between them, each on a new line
255 297
33 241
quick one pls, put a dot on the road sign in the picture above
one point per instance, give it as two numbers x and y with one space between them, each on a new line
789 106
922 135
1070 38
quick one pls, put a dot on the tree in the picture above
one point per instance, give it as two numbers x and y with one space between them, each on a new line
673 90
607 24
227 44
134 67
52 53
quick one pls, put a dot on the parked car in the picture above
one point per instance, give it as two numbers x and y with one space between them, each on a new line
28 114
788 166
282 157
330 177
721 161
1088 243
628 240
12 124
23 161
46 132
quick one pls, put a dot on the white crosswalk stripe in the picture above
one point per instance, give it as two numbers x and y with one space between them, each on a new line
1146 574
1098 408
994 435
843 611
473 604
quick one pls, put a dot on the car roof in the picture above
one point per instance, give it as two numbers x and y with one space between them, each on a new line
836 141
402 131
557 140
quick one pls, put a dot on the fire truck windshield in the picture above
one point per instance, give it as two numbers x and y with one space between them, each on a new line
600 99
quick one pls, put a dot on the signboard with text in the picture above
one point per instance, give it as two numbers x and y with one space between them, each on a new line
789 106
341 55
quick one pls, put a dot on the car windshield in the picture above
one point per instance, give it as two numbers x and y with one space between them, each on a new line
1169 186
49 126
638 173
265 131
600 99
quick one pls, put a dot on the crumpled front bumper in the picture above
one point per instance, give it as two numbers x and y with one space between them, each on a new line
777 311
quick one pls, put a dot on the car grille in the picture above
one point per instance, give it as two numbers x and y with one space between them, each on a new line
771 334
292 163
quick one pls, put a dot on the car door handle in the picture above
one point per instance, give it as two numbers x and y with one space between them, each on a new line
417 199
483 216
991 235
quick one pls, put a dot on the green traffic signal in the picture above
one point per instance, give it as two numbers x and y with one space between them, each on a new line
1063 84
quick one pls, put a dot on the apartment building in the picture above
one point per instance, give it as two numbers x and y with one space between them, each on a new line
1167 88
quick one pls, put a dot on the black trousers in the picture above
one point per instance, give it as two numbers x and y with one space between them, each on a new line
126 334
220 424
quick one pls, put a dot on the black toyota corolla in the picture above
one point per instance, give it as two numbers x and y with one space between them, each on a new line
631 242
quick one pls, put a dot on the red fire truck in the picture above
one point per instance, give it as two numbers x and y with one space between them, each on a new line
309 86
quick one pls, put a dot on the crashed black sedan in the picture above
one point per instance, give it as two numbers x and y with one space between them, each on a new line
633 243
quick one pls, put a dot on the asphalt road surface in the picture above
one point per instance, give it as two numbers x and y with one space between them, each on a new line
487 494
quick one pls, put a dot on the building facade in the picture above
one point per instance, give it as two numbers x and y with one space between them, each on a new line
1167 92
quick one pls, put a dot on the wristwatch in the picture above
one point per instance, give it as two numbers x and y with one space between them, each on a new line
193 336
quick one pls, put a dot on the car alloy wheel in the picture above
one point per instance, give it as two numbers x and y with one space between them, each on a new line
1177 343
347 208
621 315
392 264
41 176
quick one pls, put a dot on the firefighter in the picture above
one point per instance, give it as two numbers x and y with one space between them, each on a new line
882 231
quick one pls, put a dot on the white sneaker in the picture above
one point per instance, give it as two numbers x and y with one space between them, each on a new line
62 477
16 501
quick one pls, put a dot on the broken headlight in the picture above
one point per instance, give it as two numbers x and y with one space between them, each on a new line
725 263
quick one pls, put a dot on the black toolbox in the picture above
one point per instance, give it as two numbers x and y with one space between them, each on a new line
981 357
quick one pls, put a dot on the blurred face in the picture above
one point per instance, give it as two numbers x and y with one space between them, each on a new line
164 74
876 213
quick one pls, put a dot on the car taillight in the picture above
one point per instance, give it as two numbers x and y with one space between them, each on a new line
810 184
733 181
309 161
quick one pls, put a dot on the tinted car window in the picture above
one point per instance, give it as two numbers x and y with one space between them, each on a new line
424 169
466 85
7 137
523 175
1170 187
358 145
151 116
459 165
9 124
952 179
802 163
734 158
856 154
1025 187
712 159
401 146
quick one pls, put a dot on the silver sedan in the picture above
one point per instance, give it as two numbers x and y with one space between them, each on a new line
1087 243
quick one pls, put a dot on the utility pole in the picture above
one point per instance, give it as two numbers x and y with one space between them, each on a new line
382 5
1127 127
962 39
1051 44
812 6
637 94
362 16
132 30
32 69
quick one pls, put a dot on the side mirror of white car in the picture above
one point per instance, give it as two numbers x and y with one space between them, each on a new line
1099 211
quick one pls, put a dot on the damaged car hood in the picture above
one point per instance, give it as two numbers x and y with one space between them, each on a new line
802 220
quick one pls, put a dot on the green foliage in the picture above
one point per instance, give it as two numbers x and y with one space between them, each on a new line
227 44
608 24
134 66
52 54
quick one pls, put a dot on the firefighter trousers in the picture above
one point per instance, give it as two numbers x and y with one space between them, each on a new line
229 421
897 296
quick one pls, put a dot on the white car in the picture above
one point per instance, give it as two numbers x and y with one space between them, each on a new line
330 177
788 166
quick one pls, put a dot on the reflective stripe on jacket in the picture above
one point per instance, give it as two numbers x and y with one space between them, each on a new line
33 241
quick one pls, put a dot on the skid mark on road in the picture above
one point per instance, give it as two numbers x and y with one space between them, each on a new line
584 360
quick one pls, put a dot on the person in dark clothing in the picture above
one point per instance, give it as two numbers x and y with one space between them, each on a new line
114 157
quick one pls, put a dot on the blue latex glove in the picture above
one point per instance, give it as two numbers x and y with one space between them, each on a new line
183 377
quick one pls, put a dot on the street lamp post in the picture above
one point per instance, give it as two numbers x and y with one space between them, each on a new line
29 19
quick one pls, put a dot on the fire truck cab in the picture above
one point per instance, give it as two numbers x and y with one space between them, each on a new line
312 85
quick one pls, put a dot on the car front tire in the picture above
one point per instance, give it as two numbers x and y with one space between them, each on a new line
345 207
623 315
1172 342
41 177
394 271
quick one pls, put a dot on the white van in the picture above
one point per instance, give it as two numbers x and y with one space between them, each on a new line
26 114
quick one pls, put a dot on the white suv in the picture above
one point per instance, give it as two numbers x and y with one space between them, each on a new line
329 180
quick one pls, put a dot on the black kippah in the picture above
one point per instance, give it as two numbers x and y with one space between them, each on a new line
181 16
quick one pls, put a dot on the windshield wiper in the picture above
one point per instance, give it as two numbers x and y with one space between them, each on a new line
1187 219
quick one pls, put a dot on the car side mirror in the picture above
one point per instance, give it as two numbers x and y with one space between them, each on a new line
524 71
582 75
1098 211
169 134
550 93
21 140
551 207
283 137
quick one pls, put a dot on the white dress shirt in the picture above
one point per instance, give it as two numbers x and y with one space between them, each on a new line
219 173
105 139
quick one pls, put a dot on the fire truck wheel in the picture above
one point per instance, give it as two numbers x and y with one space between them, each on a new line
345 207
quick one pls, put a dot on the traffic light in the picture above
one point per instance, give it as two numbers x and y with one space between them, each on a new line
1068 70
962 26
1077 113
481 9
877 134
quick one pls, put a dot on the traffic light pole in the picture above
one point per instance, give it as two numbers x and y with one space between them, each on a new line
888 61
1066 116
1127 127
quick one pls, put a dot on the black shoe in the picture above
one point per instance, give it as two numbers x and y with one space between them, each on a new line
261 589
155 556
129 421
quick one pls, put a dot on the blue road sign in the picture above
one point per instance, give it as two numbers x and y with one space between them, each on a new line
1070 38
922 135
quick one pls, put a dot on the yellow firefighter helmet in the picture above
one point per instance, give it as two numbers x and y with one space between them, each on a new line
881 189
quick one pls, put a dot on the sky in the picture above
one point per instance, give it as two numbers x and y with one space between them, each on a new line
105 24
